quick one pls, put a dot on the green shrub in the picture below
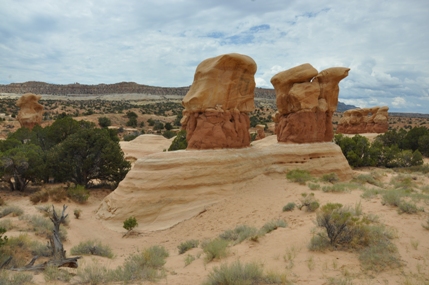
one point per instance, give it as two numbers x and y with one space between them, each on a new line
289 207
168 134
130 137
188 259
407 207
299 176
331 177
370 193
146 265
6 224
179 141
381 254
77 213
130 223
93 274
187 245
392 198
18 278
313 186
15 211
309 202
340 187
53 274
367 178
236 273
44 227
215 249
78 194
239 234
39 196
92 247
271 226
20 248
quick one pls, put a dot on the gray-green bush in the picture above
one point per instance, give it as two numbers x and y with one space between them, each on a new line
187 245
92 247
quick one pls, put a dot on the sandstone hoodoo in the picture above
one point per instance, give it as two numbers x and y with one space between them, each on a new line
366 120
218 103
31 112
306 101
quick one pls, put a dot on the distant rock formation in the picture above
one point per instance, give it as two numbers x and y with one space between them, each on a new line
31 112
166 188
260 132
306 101
218 102
366 120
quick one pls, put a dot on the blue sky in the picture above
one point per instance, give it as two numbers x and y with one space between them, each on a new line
160 42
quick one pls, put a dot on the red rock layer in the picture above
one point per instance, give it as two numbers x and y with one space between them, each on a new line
214 129
305 127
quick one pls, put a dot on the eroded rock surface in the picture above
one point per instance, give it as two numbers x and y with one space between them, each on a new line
306 101
163 189
31 112
365 120
218 102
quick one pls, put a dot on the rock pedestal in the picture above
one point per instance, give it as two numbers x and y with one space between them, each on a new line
31 112
365 120
306 101
218 102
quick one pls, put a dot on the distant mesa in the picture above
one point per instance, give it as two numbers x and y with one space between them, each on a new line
30 111
365 120
218 103
306 101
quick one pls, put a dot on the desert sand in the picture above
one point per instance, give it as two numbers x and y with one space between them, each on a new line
254 203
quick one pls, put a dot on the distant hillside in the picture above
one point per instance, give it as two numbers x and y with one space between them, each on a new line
118 88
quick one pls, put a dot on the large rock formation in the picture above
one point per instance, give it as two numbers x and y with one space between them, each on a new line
306 101
163 189
31 112
366 120
218 102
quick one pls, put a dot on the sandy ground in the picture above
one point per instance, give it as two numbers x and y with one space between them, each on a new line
257 202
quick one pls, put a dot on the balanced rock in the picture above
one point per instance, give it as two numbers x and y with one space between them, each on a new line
166 188
218 102
365 120
260 132
306 101
31 112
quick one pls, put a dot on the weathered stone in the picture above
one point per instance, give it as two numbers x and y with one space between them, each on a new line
306 101
170 187
226 80
218 101
31 112
365 120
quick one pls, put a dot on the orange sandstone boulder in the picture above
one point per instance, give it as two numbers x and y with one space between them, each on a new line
306 101
31 112
218 102
365 120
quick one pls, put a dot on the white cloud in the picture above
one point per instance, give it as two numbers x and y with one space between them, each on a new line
398 101
161 42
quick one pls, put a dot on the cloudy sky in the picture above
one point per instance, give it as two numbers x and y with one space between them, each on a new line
160 42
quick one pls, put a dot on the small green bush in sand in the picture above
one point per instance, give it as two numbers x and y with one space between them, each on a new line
215 249
18 278
53 274
271 226
299 176
78 194
237 273
347 228
92 247
289 207
14 211
187 245
239 234
309 202
331 178
145 265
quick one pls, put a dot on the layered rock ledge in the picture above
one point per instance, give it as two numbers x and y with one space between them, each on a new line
365 120
164 189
